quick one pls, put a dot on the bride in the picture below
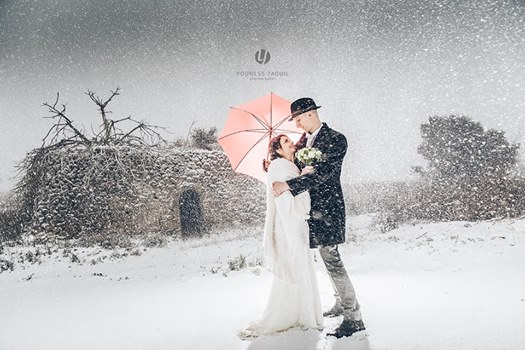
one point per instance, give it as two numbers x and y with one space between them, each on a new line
294 298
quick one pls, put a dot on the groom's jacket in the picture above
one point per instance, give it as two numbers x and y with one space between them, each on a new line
327 216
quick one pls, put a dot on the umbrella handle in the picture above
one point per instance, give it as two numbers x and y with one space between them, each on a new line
265 164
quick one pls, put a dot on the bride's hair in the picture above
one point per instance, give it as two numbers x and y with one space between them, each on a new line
273 146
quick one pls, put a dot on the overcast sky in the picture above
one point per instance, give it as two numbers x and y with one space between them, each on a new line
379 68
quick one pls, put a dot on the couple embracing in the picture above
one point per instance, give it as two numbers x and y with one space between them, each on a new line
305 210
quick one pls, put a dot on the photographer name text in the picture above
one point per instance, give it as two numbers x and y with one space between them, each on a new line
262 75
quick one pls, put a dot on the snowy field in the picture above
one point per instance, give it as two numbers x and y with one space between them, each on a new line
425 286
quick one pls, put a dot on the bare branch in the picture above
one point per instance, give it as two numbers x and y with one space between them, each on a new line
123 119
102 108
63 123
109 133
189 132
131 132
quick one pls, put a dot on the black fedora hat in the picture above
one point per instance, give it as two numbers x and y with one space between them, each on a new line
301 106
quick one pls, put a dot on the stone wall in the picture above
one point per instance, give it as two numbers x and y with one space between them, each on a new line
225 198
129 190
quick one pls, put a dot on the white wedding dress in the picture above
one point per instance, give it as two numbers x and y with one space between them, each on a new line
294 298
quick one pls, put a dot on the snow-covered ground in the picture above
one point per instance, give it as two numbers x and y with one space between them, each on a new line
424 286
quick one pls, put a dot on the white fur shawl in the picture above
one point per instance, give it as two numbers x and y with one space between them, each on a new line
290 212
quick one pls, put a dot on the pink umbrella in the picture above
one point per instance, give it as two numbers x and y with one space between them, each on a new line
249 128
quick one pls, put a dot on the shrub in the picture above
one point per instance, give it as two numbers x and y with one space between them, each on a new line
11 218
237 263
205 138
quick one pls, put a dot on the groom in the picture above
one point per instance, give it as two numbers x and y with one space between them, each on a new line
327 215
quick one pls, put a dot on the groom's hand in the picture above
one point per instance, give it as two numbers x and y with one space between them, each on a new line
307 170
279 188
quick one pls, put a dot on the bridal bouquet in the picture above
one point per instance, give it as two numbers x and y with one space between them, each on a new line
308 155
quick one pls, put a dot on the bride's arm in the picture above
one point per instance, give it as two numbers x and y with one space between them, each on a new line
286 205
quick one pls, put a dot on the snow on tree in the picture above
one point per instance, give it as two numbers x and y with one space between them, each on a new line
458 147
472 174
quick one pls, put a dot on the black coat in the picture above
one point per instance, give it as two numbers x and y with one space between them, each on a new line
327 216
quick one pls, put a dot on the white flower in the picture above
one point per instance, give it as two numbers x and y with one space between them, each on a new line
308 155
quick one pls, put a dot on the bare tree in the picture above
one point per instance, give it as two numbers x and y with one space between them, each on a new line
64 132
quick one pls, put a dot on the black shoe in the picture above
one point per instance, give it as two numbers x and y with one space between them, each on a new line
333 312
347 328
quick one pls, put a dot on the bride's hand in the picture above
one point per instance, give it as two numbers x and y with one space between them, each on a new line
307 170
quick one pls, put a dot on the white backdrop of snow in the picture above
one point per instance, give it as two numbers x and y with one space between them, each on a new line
426 286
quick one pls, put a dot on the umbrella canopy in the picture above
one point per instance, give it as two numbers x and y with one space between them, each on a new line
249 128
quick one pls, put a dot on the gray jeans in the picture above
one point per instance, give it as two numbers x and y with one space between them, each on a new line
344 291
